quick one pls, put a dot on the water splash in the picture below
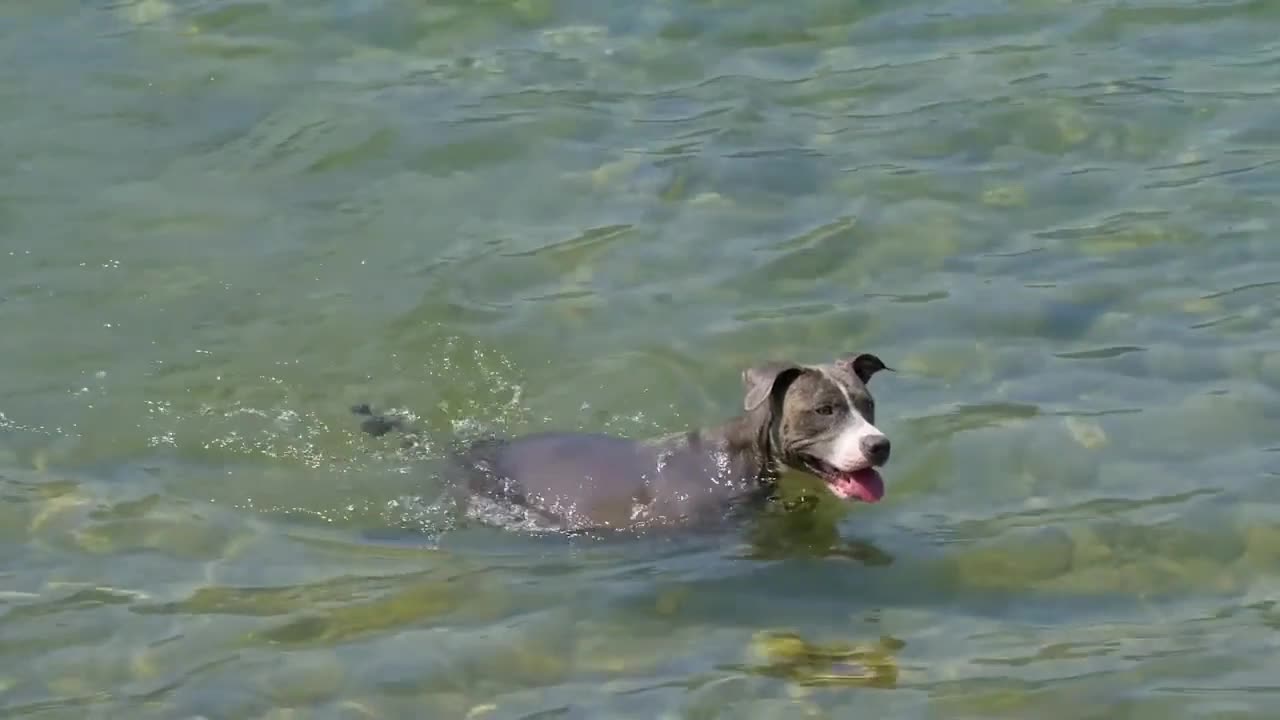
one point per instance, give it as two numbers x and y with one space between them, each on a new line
467 391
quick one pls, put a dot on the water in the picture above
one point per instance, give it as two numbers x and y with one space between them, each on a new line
223 223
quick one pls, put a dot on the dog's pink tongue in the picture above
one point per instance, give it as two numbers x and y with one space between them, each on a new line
865 485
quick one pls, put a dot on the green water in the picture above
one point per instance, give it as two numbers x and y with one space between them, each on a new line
224 222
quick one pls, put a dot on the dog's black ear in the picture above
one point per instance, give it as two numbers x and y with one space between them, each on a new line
864 365
762 380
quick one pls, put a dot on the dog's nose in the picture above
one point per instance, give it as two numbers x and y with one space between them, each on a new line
876 449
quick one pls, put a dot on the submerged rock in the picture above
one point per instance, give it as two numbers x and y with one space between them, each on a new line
789 656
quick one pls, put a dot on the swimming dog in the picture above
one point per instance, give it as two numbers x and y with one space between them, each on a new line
817 419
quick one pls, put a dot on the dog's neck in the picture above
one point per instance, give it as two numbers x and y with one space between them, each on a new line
750 442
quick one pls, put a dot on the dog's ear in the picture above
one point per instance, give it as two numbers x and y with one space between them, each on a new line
864 365
762 380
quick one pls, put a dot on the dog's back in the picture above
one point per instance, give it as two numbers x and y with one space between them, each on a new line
592 480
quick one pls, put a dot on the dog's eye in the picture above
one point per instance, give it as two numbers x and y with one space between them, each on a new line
825 409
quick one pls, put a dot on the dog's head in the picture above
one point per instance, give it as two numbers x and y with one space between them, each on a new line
821 420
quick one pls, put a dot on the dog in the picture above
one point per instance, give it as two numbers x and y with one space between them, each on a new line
816 419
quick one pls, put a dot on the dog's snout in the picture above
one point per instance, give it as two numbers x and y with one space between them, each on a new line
876 449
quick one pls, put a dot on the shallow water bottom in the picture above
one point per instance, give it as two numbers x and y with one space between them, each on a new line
224 223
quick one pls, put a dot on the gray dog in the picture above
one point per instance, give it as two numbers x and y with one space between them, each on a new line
818 419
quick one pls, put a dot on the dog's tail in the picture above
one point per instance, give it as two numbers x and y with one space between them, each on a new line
376 424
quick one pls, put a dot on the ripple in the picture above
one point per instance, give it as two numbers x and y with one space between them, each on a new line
585 244
972 417
1100 353
918 298
1239 289
236 219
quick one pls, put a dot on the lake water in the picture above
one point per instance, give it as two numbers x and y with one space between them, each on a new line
223 223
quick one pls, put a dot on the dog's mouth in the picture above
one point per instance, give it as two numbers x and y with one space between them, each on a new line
863 484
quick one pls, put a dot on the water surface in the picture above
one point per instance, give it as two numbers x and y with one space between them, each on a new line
224 222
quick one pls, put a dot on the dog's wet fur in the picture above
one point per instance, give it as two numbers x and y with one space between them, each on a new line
816 419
